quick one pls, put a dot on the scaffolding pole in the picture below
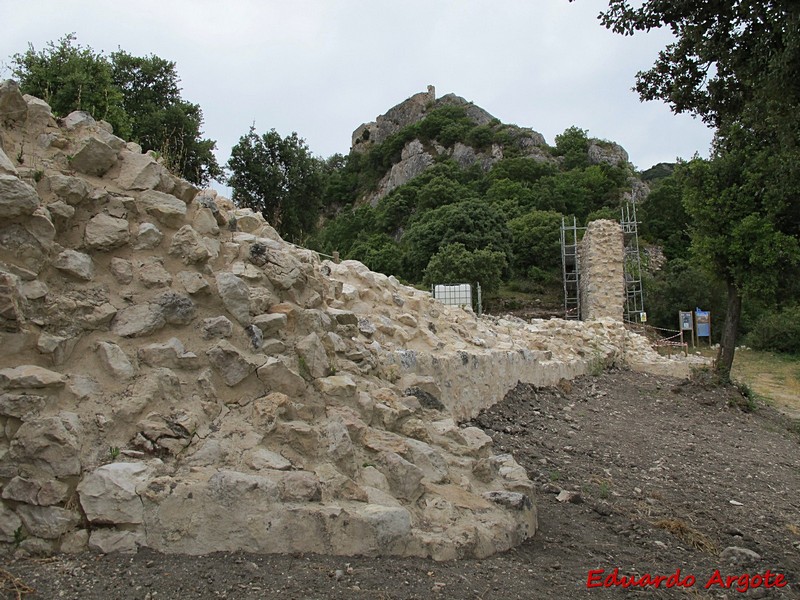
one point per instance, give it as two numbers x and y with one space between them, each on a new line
634 292
570 266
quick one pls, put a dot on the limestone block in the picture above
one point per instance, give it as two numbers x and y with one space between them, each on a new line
20 489
404 478
153 274
31 376
74 542
260 459
61 213
99 317
167 209
122 270
17 198
171 354
108 494
6 166
77 119
138 321
340 387
58 347
235 296
188 245
72 190
76 264
298 486
52 492
124 541
50 444
41 226
232 364
278 377
216 327
148 236
193 283
13 108
48 522
20 406
40 115
115 361
312 356
205 223
139 171
340 446
95 157
428 459
9 524
27 257
11 313
104 232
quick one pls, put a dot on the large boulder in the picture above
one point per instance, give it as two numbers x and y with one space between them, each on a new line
13 107
17 198
95 157
104 232
108 494
49 444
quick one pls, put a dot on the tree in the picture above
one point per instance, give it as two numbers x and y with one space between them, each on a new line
138 96
736 65
280 178
71 77
160 119
536 241
454 263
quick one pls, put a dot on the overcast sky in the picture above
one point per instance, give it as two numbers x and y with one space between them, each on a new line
323 67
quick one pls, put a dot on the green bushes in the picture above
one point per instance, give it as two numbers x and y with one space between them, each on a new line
777 330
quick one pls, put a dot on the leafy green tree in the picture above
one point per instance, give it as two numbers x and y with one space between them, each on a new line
735 65
280 178
379 252
71 77
573 145
536 241
454 263
663 218
472 223
160 119
138 96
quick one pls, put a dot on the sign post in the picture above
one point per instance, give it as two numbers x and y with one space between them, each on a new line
686 324
703 320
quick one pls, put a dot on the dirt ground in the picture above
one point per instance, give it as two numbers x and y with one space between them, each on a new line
654 475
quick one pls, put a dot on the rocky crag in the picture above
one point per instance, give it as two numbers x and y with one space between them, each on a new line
416 156
174 375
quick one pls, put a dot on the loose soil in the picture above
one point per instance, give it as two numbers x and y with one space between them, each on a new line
661 475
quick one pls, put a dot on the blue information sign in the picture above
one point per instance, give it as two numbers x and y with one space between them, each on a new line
703 320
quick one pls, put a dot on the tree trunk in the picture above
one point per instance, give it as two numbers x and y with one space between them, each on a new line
728 344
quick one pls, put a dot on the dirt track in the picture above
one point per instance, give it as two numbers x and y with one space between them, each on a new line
663 475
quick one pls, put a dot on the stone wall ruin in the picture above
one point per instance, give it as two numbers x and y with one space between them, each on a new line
168 382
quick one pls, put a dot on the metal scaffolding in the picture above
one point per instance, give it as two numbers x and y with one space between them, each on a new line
634 294
570 265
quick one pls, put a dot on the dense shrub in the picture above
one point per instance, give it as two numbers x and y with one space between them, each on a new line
777 330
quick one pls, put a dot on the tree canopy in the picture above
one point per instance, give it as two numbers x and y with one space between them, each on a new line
280 178
736 65
139 96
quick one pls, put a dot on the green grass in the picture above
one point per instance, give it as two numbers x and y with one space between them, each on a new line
775 377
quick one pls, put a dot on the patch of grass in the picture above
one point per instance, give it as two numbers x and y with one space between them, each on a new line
770 377
555 476
691 536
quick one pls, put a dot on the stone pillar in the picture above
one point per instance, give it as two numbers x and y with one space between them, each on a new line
602 271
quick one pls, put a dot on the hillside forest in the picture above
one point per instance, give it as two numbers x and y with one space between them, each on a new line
494 221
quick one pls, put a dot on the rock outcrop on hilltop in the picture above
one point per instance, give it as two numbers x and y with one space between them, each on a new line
416 157
175 375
